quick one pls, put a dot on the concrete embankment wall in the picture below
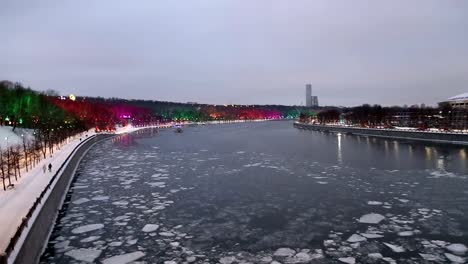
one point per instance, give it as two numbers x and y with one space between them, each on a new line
38 234
452 138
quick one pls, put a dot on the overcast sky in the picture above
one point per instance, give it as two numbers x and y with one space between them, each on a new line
243 51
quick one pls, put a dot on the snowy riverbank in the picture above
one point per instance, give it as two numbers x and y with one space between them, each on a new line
15 203
439 137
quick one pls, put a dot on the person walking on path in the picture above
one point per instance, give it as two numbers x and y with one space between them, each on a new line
44 168
50 167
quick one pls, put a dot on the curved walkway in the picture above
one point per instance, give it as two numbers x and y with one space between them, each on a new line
29 245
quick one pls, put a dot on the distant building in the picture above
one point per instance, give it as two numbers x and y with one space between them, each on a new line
458 116
458 102
311 101
315 102
308 95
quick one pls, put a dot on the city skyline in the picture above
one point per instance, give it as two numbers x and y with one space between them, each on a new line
261 52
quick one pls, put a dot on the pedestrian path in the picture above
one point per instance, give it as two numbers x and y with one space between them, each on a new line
15 203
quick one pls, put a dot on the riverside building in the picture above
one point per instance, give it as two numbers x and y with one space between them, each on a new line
458 115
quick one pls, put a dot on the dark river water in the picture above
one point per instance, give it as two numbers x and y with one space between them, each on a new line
264 193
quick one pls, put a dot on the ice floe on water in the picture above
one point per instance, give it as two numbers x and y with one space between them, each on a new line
454 258
348 260
375 256
195 206
63 244
87 255
284 252
458 249
100 198
81 201
356 238
122 203
124 258
436 174
371 236
115 244
406 233
80 186
403 200
395 248
431 257
90 239
132 241
253 165
166 234
150 228
371 218
87 228
157 184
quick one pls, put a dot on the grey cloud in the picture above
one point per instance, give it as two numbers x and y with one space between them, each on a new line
261 51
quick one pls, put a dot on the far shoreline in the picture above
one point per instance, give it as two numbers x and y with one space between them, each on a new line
424 136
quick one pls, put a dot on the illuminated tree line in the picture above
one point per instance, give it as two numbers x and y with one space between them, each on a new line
171 111
52 126
24 107
54 119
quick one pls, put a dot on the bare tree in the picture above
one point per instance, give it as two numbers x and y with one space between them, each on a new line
8 165
25 153
17 160
12 161
2 169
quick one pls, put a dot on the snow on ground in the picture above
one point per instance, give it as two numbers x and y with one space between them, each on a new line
15 203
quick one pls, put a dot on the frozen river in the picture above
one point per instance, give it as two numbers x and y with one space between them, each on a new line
264 192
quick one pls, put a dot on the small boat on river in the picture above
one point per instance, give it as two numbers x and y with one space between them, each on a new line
178 129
